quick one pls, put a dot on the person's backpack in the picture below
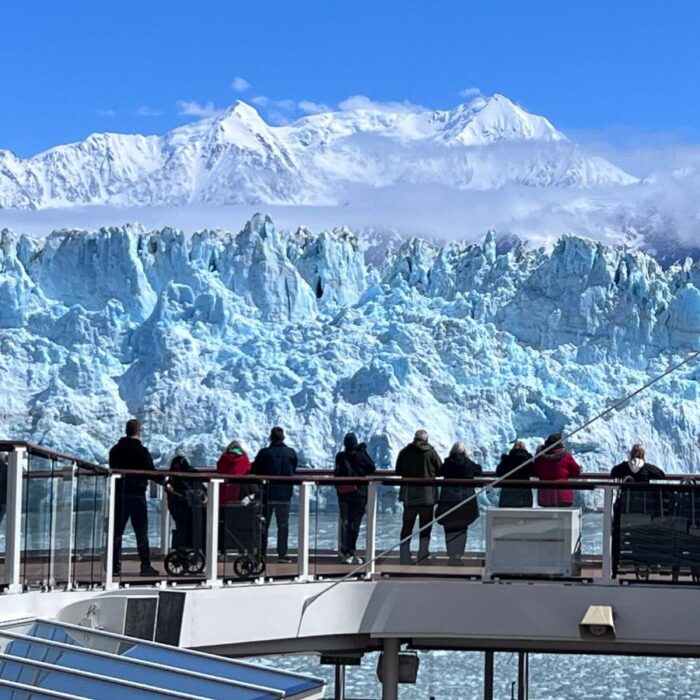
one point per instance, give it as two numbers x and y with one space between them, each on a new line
344 468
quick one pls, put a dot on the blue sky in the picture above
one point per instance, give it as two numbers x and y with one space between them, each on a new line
619 71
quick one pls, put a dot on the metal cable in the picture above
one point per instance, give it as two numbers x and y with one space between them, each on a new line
497 480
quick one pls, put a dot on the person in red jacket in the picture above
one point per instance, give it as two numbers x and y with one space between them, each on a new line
234 461
556 464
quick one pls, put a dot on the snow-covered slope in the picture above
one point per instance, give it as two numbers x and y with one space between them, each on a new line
237 158
223 335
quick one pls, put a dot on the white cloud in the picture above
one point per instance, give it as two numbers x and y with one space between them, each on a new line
146 111
192 108
363 102
309 107
277 118
240 84
106 113
470 92
288 106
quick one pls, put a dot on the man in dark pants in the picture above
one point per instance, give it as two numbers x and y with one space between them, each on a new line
419 460
277 460
130 496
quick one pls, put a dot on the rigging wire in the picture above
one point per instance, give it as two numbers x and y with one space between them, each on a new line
487 487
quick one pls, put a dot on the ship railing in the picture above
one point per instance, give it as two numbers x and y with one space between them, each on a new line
60 514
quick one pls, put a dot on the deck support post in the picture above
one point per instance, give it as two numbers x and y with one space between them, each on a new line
606 573
304 531
523 675
371 546
13 532
390 669
211 556
488 675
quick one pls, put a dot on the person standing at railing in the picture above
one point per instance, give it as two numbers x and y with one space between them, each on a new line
418 460
130 497
556 464
277 460
637 470
352 498
519 497
456 523
233 462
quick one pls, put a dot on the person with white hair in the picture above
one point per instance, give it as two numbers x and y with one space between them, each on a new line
453 517
418 460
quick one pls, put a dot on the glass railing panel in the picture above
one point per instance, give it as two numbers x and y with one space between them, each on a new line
37 510
88 530
242 529
62 523
656 532
338 535
281 512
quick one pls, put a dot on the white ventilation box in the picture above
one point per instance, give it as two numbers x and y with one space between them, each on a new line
533 541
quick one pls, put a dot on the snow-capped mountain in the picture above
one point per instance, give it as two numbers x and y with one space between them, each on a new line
237 158
222 335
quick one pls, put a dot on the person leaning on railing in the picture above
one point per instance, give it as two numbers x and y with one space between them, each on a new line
277 459
352 498
418 460
457 466
516 497
556 464
130 496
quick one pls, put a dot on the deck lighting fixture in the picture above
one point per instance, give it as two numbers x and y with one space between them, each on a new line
598 623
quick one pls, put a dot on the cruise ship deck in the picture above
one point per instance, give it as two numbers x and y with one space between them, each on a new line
615 574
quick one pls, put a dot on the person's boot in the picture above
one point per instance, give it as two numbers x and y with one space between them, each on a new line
405 553
423 551
148 570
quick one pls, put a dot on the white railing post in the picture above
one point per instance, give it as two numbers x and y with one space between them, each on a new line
606 572
164 523
109 544
73 481
303 537
211 568
13 533
371 547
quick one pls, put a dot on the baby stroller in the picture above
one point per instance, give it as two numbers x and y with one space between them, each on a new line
187 500
243 527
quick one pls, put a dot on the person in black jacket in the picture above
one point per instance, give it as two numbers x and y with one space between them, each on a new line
187 504
352 498
456 523
637 469
130 495
277 460
418 460
520 497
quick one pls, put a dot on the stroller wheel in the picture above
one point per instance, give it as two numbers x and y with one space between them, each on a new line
195 561
243 566
174 564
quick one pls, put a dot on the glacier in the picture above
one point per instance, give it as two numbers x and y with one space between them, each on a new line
220 335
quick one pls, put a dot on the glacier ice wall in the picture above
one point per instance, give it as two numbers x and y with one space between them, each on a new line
222 335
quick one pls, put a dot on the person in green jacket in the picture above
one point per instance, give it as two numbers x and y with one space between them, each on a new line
418 460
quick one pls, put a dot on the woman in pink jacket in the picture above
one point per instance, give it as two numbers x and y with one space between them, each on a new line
556 464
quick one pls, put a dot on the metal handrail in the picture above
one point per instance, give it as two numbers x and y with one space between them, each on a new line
40 451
